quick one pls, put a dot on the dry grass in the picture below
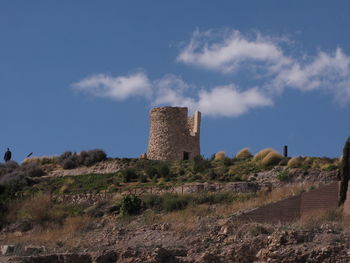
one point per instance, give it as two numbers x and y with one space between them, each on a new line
186 220
316 219
219 156
262 154
35 209
272 158
40 160
263 197
244 154
295 162
69 235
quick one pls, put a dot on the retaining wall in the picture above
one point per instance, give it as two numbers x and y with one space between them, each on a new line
296 207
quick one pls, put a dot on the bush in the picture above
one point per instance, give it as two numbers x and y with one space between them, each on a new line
295 162
69 163
283 176
262 154
39 209
200 164
130 205
244 154
70 160
143 178
174 202
272 158
129 174
212 175
219 156
227 161
13 177
164 170
151 172
153 202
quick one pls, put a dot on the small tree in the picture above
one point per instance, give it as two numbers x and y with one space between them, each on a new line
131 205
344 172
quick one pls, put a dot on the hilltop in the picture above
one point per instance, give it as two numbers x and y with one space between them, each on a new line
89 208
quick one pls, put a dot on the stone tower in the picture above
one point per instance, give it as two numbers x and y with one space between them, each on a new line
173 135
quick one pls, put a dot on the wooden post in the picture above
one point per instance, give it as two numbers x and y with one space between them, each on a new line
285 151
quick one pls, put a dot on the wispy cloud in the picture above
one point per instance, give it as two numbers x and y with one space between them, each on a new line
229 101
118 88
226 51
174 91
230 52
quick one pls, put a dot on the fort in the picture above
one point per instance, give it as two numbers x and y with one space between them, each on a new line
173 134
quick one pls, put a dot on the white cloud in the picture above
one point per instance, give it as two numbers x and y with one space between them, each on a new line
174 91
170 90
325 71
229 101
234 51
118 88
231 50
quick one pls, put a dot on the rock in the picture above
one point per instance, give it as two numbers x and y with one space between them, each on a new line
7 249
59 258
18 234
227 230
208 258
33 250
165 227
76 258
163 255
106 257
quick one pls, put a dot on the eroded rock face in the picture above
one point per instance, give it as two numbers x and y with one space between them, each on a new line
297 246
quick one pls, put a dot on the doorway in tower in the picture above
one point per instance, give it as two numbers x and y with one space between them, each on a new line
186 156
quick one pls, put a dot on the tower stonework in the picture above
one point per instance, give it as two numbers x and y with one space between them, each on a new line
173 135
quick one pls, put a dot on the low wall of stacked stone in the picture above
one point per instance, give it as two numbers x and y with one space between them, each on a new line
296 207
93 198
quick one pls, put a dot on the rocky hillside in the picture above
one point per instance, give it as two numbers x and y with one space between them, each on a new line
75 209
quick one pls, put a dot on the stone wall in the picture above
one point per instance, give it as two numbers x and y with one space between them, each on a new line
172 133
296 207
346 209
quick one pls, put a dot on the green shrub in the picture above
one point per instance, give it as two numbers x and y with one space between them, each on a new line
174 202
211 175
143 178
69 163
283 176
227 161
153 202
200 164
129 174
151 172
164 170
213 198
272 158
244 154
70 160
130 205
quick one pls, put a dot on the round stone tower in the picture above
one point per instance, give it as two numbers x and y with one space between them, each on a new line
173 135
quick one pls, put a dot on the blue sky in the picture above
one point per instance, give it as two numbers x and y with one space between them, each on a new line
79 75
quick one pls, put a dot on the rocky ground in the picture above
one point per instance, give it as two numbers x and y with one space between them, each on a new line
210 240
196 235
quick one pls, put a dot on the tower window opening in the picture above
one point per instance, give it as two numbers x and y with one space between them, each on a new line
186 156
